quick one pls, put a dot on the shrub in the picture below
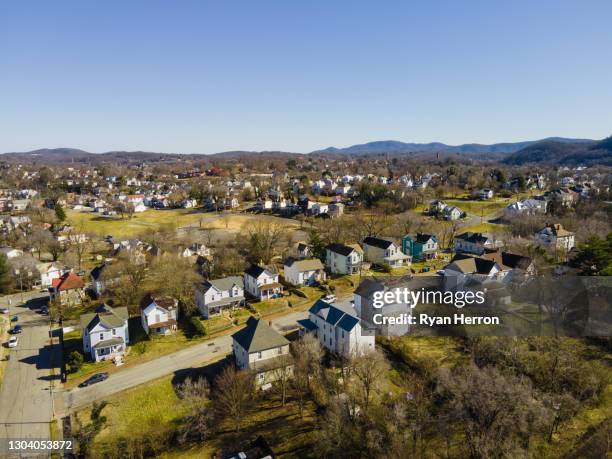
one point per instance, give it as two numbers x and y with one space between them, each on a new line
198 326
386 268
75 361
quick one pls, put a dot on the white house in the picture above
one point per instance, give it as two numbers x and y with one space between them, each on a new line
259 348
484 194
159 315
557 237
475 243
195 250
262 283
383 252
304 272
528 207
48 272
452 213
465 268
10 252
343 259
338 329
105 333
215 295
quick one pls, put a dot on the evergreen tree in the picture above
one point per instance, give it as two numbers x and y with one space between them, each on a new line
5 277
59 212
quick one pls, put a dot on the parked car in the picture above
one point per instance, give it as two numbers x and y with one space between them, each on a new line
13 341
98 377
15 318
4 310
330 298
16 330
44 310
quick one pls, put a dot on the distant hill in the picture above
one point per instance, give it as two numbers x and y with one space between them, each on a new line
564 153
393 146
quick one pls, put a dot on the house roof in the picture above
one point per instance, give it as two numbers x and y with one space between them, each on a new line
305 265
511 260
68 281
224 283
423 238
471 265
557 230
343 249
165 302
378 242
97 271
105 315
258 336
334 315
367 288
475 238
256 271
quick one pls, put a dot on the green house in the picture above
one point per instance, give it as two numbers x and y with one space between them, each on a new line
420 247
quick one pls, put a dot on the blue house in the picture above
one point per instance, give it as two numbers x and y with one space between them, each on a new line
420 247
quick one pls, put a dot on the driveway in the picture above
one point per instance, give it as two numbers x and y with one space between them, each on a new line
26 396
193 356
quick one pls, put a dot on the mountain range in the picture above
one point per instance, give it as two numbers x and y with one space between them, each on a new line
557 150
393 146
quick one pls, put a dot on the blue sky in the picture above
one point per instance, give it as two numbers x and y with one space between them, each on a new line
200 76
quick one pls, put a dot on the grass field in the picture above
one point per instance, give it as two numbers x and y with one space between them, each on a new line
133 413
170 218
478 208
484 228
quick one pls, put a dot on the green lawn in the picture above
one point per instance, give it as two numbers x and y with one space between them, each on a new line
174 218
480 207
148 411
484 228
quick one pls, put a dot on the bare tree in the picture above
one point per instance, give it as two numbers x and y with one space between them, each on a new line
198 424
369 370
234 394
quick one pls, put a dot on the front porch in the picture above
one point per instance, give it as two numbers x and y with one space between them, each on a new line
270 291
163 328
108 350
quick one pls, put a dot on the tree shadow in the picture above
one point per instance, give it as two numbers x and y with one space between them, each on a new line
44 360
208 372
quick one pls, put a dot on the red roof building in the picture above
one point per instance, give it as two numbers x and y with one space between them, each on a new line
67 282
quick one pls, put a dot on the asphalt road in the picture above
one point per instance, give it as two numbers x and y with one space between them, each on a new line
26 405
193 356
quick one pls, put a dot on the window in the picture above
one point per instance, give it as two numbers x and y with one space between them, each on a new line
280 350
101 336
114 332
259 355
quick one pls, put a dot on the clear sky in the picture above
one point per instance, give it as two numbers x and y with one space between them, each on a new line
203 76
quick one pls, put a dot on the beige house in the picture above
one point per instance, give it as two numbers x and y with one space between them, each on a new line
556 237
259 348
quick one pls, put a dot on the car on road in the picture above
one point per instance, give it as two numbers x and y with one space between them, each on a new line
330 298
98 377
4 310
13 341
16 330
15 318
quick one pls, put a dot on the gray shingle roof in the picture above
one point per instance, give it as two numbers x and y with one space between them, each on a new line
224 283
258 336
107 316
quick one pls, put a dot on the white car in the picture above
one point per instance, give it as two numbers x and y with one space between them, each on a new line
330 298
12 342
